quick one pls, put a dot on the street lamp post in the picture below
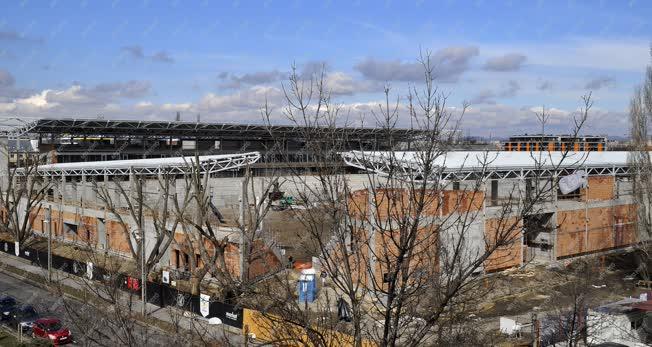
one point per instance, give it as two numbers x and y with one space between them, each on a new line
48 220
139 235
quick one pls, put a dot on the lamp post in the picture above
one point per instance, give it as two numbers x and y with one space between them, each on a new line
48 220
139 235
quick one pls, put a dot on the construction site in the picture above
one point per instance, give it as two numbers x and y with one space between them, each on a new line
89 164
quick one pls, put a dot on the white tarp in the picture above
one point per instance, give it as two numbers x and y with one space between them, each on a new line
572 182
508 326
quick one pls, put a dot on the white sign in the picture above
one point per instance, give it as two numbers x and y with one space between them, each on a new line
17 248
89 270
6 247
204 304
166 277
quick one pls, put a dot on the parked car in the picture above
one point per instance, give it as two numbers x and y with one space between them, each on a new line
51 329
7 304
24 315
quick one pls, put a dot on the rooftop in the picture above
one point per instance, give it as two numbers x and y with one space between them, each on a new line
179 129
209 164
460 165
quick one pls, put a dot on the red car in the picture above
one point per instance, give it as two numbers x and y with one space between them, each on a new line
51 329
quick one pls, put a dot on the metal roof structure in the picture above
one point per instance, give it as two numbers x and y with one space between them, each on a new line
460 166
190 130
177 165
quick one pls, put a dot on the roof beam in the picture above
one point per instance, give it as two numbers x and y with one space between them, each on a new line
208 164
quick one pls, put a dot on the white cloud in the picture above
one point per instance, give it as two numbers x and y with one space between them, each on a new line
248 99
177 107
37 101
580 52
340 83
550 111
144 104
7 107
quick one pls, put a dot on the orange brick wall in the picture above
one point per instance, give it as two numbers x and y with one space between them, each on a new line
116 237
570 233
36 221
505 256
625 233
393 202
88 230
603 230
84 223
600 188
462 201
600 234
263 259
358 204
424 256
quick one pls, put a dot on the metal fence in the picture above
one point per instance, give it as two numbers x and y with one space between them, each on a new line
159 294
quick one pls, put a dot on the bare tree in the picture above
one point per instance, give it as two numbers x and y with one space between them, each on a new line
640 113
102 309
21 194
404 251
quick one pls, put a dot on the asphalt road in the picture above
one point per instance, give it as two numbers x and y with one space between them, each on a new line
48 304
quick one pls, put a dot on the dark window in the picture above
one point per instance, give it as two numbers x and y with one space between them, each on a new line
574 195
177 259
70 228
494 192
529 188
186 261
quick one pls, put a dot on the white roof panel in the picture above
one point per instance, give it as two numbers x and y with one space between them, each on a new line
208 163
456 160
458 165
137 163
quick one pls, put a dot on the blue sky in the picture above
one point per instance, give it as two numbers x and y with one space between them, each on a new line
149 59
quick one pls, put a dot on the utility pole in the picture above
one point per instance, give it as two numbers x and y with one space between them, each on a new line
143 279
139 235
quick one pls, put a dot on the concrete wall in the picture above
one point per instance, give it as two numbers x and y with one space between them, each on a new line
226 191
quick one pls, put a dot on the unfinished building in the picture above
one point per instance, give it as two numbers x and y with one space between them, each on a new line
73 211
598 216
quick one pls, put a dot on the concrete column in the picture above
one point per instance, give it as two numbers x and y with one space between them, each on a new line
4 162
554 215
586 212
372 233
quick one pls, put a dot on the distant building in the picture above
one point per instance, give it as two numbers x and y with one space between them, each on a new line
541 142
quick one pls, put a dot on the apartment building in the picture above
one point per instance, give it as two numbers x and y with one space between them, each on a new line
542 142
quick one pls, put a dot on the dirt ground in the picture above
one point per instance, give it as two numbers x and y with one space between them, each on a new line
520 291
